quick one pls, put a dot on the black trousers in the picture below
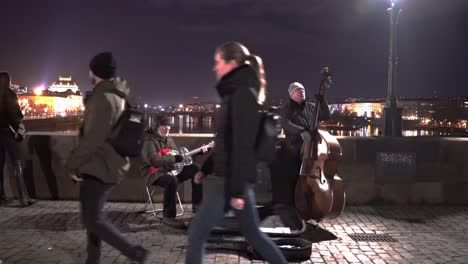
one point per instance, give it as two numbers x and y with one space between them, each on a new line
9 146
284 176
93 196
170 183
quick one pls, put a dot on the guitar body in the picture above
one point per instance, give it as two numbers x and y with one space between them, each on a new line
179 166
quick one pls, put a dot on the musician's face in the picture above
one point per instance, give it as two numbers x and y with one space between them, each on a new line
298 95
163 131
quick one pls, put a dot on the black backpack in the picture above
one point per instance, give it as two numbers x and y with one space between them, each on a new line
128 133
267 136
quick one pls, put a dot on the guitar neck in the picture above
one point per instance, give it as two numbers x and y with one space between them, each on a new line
193 152
197 150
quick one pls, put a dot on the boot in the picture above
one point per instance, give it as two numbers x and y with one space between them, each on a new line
175 223
3 199
23 196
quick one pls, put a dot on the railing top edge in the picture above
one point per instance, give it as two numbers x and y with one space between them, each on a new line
211 135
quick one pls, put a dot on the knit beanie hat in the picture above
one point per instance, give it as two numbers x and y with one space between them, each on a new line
103 65
165 122
293 86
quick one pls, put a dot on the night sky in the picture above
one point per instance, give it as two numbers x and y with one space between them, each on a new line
165 47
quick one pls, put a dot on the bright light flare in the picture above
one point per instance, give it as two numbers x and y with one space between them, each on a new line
38 90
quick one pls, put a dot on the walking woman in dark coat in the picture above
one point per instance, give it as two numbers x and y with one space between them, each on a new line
233 160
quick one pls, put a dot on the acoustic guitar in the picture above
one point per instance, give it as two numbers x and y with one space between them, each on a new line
185 153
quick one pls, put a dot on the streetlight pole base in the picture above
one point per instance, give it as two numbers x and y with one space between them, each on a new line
392 121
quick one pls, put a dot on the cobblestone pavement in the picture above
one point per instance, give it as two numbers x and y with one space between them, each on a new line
50 232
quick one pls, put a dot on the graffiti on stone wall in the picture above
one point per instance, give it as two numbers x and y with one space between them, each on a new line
395 167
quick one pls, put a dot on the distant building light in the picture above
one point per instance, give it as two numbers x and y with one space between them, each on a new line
65 79
218 106
38 90
181 106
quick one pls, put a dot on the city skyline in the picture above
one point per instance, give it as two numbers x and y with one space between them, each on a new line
165 48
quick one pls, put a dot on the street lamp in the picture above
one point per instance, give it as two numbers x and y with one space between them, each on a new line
392 114
147 116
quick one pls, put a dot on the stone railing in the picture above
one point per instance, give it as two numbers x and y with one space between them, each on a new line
412 170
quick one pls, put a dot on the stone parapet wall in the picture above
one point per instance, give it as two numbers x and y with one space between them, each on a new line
409 170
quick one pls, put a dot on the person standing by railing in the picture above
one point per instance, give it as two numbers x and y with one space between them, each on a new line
11 134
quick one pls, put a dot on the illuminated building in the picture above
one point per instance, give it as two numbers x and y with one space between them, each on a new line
39 107
64 84
62 99
364 109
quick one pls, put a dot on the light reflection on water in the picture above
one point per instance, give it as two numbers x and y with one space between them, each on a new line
188 124
370 131
190 129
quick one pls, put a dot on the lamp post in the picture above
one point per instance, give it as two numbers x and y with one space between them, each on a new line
392 114
147 118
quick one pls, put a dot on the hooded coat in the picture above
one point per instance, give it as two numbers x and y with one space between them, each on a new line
94 155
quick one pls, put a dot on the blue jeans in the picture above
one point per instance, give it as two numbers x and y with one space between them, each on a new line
211 212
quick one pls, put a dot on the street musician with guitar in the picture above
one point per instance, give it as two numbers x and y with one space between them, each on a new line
161 156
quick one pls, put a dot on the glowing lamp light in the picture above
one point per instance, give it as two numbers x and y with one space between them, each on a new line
38 90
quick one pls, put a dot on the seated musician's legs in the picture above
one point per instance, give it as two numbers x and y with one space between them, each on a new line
169 183
197 189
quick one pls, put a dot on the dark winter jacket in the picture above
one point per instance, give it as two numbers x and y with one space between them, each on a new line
152 145
94 155
10 112
237 122
297 118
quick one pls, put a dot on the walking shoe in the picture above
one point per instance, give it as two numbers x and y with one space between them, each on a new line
194 208
142 255
31 201
26 201
23 202
4 201
172 222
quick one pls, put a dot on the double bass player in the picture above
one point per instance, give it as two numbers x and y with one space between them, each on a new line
297 121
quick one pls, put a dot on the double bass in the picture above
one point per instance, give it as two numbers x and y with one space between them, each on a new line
319 190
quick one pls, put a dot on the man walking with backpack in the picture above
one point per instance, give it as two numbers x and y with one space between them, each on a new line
96 165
